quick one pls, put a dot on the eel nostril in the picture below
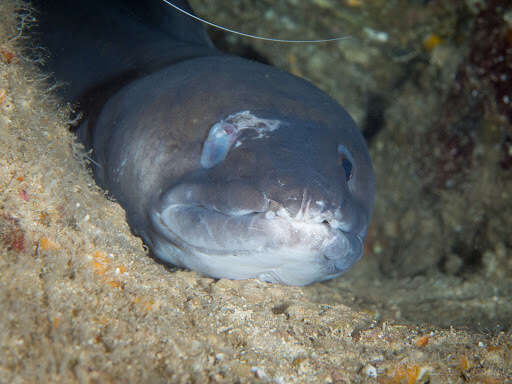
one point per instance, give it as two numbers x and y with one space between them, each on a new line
331 223
334 224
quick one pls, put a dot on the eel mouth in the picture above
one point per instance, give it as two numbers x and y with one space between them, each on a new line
264 243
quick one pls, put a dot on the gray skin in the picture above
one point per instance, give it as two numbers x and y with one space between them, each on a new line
288 201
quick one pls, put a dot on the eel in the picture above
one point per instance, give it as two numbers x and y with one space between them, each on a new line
226 166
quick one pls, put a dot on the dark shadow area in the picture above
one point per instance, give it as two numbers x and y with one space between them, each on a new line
240 48
375 119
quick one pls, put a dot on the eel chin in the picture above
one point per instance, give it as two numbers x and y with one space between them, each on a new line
206 231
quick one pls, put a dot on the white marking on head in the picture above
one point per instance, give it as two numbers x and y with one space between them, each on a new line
226 133
246 120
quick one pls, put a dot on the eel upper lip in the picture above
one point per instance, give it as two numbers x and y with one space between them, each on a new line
325 227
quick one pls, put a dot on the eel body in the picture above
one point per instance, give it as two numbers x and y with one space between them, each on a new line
229 167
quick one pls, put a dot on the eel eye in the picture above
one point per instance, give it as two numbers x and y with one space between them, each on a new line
347 167
345 161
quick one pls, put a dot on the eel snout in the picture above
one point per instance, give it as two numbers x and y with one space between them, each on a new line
249 236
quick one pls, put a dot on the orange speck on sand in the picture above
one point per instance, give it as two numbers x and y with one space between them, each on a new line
405 375
431 41
148 305
99 268
422 341
488 380
19 178
465 364
56 322
2 96
492 348
101 265
47 245
114 284
354 3
7 56
100 262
